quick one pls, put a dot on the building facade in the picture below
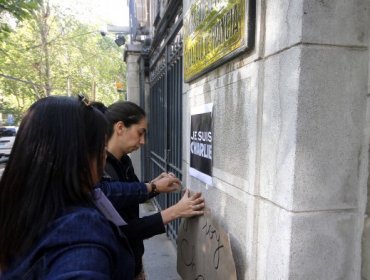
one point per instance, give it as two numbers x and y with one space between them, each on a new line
289 94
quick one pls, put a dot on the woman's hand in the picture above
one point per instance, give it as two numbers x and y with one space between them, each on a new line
188 206
166 182
162 175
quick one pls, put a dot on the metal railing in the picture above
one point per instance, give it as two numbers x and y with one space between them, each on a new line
165 116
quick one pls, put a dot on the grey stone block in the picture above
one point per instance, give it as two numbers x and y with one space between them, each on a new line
313 114
339 22
366 250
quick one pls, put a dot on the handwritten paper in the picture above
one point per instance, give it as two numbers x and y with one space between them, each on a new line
204 251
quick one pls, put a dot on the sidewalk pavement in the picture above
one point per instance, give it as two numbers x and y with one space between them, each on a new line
160 254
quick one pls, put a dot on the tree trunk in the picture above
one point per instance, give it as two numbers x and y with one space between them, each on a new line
42 22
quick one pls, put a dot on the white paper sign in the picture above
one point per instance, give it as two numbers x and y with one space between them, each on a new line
201 143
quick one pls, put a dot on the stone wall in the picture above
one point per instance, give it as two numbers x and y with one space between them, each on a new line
290 148
366 235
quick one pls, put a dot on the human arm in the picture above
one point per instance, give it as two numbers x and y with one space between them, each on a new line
123 194
148 226
164 183
188 206
144 228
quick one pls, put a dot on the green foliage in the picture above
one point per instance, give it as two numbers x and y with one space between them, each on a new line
53 53
18 9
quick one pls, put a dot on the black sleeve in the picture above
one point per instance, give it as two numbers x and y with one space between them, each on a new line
145 227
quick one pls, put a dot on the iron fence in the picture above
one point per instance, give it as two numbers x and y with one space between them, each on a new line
165 116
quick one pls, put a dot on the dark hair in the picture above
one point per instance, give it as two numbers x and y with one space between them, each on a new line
127 112
99 105
48 169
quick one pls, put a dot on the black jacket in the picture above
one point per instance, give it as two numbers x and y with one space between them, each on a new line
137 228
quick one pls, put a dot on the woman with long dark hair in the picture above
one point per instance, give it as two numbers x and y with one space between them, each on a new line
126 133
49 226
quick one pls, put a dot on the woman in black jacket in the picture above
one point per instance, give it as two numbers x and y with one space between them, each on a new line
126 132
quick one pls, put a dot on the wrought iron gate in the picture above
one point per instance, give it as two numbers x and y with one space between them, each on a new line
165 116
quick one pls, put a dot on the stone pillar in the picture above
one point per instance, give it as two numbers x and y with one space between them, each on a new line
366 235
131 57
313 150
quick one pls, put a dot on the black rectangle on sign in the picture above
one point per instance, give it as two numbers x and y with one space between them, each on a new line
201 143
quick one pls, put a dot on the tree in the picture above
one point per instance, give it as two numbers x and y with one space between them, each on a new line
17 9
53 53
